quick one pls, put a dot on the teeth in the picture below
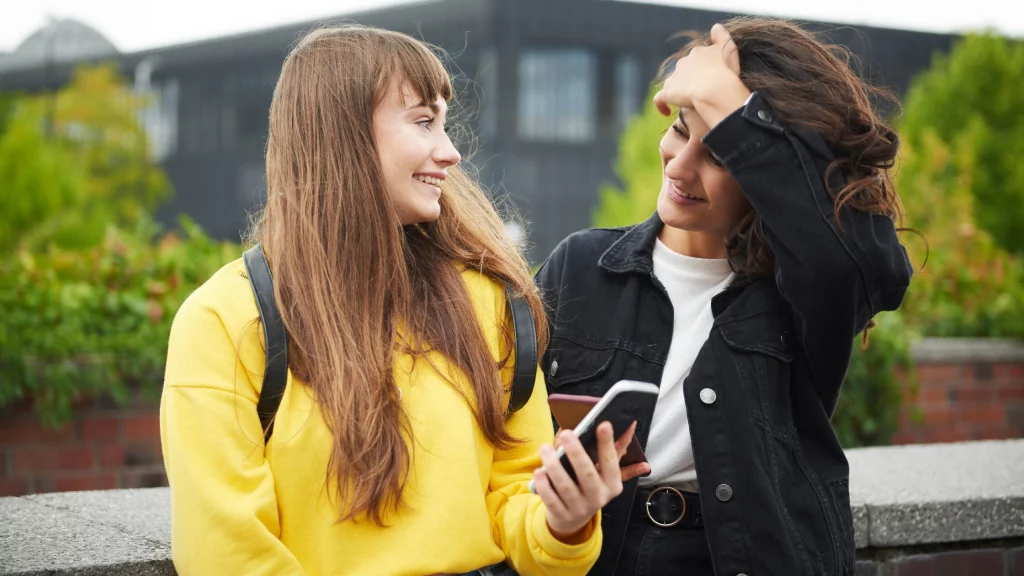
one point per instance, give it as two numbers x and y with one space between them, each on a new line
429 180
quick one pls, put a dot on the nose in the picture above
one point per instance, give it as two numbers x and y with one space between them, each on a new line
446 154
682 166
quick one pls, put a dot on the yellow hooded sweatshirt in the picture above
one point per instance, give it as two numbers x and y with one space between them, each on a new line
237 508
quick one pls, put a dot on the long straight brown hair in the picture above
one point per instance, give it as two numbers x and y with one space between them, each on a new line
349 277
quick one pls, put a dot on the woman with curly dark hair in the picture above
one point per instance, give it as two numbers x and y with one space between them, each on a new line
773 246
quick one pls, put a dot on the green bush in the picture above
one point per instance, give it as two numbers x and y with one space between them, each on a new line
971 100
968 285
73 162
82 322
88 283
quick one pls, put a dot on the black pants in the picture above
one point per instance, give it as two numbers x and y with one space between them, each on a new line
653 551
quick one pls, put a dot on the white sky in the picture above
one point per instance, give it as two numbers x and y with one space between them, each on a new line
134 25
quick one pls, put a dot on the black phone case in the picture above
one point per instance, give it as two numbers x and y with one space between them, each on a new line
625 409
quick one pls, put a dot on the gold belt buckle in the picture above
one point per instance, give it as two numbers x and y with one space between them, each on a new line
665 489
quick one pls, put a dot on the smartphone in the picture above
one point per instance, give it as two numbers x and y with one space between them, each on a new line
623 404
570 409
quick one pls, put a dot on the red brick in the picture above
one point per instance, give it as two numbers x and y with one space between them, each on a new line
1010 393
1015 417
85 482
101 428
971 395
994 413
155 477
907 437
982 372
1015 562
27 430
939 417
27 461
141 427
990 431
111 456
970 563
1007 371
938 396
13 486
914 566
938 374
143 454
946 434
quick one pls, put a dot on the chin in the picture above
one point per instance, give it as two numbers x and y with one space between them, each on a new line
672 215
428 213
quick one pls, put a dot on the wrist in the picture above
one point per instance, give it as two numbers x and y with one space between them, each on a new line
571 536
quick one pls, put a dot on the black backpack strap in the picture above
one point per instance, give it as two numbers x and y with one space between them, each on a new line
275 374
525 370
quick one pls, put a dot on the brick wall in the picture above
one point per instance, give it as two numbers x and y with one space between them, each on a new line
996 561
967 390
104 447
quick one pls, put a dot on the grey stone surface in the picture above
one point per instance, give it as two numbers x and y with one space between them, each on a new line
956 350
901 496
933 493
860 524
83 533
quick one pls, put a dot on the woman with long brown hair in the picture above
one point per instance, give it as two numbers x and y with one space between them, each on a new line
392 449
773 246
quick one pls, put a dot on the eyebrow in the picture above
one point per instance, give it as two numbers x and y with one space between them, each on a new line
432 105
681 119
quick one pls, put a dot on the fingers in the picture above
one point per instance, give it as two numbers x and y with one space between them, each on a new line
559 478
634 470
730 53
661 103
608 457
554 504
587 477
719 35
623 442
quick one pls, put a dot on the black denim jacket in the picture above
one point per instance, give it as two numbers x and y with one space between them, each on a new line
773 477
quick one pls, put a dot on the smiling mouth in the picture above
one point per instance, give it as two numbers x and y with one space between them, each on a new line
429 180
682 194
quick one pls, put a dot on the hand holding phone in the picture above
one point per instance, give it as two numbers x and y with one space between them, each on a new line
621 406
569 505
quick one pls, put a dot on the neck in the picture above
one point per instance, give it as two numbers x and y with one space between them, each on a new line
694 244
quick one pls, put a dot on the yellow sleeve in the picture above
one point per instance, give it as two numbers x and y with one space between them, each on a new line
519 522
224 517
519 519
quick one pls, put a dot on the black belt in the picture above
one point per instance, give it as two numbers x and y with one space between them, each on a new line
668 507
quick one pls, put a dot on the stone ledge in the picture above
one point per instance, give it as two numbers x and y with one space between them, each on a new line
110 532
966 350
932 493
902 496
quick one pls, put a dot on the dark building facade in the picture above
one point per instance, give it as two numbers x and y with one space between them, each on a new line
546 87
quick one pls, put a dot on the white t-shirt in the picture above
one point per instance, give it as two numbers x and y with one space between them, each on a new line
691 283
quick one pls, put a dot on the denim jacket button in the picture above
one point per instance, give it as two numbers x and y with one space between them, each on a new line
554 368
723 492
764 115
708 396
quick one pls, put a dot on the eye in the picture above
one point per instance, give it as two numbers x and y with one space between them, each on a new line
681 131
426 123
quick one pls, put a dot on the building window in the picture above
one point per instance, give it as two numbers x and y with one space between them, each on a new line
628 90
487 77
557 95
160 119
